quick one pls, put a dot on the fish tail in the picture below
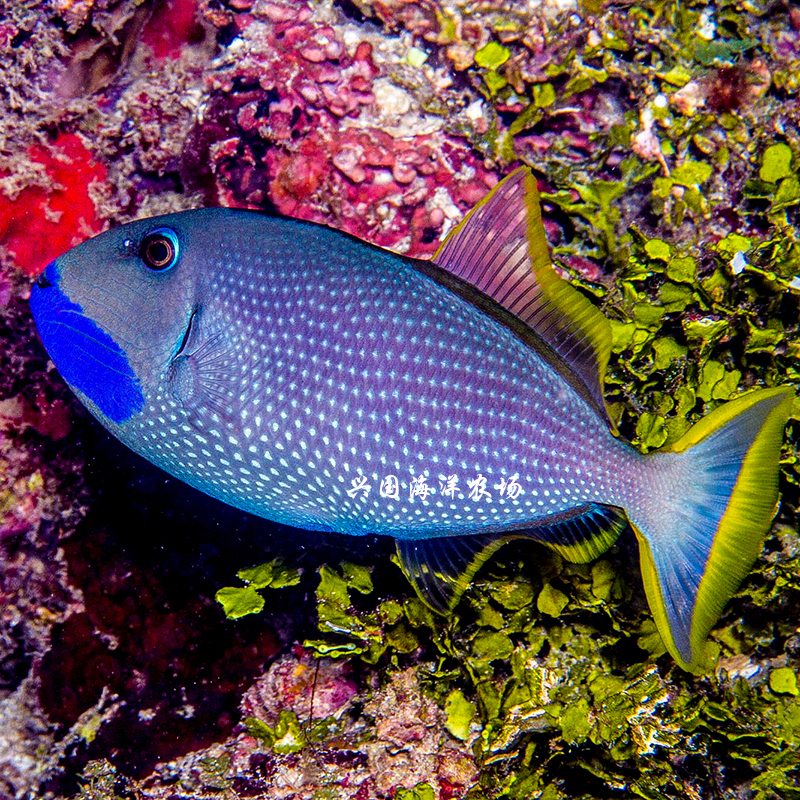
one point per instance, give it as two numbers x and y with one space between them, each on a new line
703 524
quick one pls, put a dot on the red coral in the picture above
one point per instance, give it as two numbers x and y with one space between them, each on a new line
172 25
41 223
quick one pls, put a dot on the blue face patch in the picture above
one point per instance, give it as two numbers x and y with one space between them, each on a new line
88 359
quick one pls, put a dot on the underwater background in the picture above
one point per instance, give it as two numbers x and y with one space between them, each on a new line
155 643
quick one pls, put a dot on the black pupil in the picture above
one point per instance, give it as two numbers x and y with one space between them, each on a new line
158 252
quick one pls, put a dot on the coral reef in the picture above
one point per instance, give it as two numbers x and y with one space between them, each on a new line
666 140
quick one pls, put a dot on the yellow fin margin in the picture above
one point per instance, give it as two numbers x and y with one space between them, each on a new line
587 321
747 519
740 533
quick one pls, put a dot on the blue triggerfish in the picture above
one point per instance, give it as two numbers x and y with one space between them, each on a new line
308 377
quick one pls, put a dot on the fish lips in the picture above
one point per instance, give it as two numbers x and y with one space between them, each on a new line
88 358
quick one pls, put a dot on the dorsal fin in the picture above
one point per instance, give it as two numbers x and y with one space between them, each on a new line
501 248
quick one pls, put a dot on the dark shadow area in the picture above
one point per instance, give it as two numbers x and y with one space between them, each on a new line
148 558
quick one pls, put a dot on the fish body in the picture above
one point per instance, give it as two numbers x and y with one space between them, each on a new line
310 378
310 359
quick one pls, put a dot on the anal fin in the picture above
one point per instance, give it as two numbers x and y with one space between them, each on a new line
441 568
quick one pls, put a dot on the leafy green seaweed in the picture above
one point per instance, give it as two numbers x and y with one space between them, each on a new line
239 601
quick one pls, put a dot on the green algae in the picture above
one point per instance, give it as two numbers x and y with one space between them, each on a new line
284 738
422 791
239 601
776 163
492 55
572 688
100 781
783 681
460 713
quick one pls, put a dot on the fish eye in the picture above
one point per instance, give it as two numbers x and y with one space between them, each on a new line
159 249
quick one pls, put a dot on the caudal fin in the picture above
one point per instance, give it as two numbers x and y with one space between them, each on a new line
718 493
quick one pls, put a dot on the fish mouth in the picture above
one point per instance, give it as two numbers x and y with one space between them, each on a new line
49 277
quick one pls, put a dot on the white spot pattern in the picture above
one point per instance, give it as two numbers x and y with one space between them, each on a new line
326 359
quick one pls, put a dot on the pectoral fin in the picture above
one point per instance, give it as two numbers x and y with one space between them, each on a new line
201 374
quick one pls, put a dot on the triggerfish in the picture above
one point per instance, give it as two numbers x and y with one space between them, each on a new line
308 377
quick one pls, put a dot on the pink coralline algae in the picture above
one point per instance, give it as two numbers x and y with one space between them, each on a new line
308 111
55 210
406 745
385 189
310 689
305 64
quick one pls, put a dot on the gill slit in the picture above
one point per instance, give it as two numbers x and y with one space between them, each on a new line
190 327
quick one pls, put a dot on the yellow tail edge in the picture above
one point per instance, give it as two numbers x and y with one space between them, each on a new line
693 564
